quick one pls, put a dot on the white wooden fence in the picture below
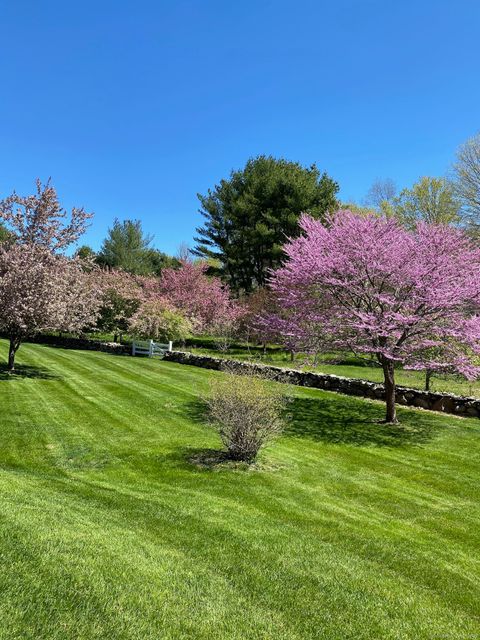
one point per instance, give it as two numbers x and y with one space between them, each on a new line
150 348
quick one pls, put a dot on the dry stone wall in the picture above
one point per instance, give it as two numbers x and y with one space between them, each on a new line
448 403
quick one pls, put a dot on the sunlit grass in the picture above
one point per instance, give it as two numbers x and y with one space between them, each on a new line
346 529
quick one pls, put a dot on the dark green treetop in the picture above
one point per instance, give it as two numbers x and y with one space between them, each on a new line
249 216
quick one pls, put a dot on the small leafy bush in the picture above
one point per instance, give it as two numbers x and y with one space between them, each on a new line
248 411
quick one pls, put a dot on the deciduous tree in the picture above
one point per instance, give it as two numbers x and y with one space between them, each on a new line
39 219
467 177
431 200
368 285
202 298
122 294
40 288
158 320
381 192
43 291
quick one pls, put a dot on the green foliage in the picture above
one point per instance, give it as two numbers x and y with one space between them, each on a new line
431 200
5 234
347 529
127 247
85 252
159 321
248 217
156 261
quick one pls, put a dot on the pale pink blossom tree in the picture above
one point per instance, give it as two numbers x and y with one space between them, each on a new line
40 288
39 219
122 295
42 291
365 284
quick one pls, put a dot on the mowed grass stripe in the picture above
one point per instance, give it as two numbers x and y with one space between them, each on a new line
345 531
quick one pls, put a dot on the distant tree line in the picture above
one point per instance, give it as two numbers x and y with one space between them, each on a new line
127 247
249 215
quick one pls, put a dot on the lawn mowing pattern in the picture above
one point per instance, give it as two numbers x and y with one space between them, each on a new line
349 529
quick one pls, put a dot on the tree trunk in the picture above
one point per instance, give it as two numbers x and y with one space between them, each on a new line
389 382
12 350
428 377
292 355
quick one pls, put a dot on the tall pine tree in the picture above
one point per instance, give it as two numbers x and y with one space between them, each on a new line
249 216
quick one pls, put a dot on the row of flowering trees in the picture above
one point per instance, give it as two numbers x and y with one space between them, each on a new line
181 302
42 289
358 283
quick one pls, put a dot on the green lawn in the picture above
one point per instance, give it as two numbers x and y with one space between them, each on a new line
346 530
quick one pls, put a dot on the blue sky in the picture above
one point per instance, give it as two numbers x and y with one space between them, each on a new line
134 107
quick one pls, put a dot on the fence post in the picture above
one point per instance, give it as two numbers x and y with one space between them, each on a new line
133 348
170 345
150 349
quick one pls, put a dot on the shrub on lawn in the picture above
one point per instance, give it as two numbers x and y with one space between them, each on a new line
248 411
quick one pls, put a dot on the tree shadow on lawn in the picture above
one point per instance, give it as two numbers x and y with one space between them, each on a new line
26 371
343 421
338 422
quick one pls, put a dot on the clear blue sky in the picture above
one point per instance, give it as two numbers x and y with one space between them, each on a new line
134 107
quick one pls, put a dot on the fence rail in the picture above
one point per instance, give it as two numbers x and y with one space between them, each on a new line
150 348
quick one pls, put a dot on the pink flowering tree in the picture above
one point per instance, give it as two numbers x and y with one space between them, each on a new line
203 299
365 284
40 288
40 220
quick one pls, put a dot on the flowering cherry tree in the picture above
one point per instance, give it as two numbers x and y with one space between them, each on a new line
204 300
42 291
122 294
39 219
40 288
367 285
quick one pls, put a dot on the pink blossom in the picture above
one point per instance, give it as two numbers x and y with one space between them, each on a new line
366 284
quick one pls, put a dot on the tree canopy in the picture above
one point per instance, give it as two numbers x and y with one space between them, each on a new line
369 285
467 177
249 216
431 200
40 288
127 247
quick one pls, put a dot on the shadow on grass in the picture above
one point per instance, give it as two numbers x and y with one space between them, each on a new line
26 371
80 347
196 411
342 422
